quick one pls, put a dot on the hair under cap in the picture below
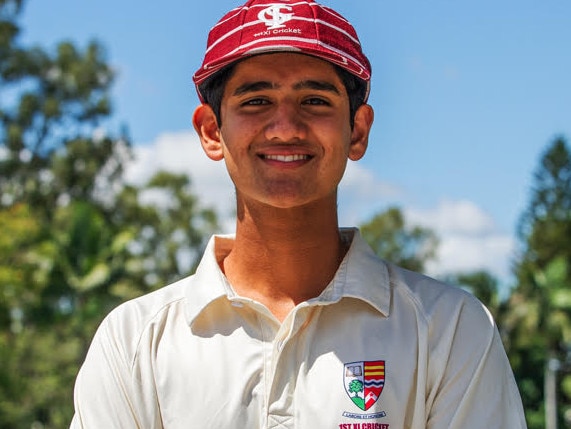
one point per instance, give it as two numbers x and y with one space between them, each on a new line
263 26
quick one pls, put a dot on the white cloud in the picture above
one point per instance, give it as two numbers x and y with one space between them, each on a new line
469 239
454 217
181 153
156 197
362 195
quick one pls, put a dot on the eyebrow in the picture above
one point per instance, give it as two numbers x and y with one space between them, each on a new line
305 84
253 87
318 85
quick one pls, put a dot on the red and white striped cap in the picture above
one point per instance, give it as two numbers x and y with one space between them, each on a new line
265 26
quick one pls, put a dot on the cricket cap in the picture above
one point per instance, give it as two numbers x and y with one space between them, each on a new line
266 26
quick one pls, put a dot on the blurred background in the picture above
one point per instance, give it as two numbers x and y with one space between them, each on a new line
106 195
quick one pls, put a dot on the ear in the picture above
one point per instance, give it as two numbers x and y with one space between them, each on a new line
360 134
206 126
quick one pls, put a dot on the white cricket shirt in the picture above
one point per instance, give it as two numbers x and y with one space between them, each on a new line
380 348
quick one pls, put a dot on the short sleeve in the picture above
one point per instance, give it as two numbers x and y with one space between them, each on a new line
471 384
108 392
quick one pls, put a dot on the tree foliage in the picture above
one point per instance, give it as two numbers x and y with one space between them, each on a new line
483 286
77 239
407 246
356 386
538 324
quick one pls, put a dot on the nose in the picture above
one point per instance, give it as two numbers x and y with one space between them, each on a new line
286 123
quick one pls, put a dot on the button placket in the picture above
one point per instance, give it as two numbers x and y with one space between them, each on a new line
283 382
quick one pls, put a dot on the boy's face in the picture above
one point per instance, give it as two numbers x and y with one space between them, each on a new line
286 134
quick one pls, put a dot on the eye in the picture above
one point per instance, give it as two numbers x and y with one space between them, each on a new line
255 102
316 101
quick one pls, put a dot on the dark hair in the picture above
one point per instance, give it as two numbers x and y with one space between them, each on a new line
212 90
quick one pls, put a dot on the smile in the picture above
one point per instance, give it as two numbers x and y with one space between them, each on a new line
286 158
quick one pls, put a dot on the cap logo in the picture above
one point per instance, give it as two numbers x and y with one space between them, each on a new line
273 17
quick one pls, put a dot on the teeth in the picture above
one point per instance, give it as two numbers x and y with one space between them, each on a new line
287 158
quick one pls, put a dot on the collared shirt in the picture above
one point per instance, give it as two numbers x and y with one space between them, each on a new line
380 348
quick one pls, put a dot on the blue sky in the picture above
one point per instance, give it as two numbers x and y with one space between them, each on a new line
467 95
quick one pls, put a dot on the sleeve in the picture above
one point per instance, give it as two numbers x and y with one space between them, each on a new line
471 384
108 393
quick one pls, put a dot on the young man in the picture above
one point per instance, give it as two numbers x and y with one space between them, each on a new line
292 322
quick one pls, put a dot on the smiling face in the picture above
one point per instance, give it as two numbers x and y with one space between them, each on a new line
285 134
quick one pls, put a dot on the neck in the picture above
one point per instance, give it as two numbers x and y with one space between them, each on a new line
282 257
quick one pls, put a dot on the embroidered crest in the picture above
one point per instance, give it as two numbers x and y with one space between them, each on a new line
364 382
273 17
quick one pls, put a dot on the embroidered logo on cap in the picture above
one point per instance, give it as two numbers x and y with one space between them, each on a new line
273 17
364 382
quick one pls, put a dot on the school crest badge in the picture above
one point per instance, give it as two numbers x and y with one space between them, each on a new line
364 382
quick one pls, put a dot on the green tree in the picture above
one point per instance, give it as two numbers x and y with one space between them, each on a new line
392 239
80 239
538 322
54 103
170 225
484 286
355 387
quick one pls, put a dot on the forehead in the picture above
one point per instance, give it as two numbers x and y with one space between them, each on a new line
284 69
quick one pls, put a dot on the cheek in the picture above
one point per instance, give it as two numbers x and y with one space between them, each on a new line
235 148
336 139
238 131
